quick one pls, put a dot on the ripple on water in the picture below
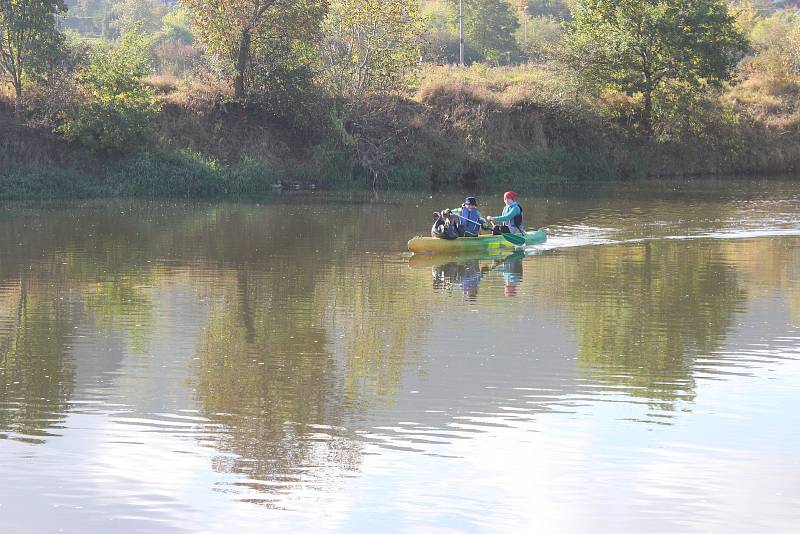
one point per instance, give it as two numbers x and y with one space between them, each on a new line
207 368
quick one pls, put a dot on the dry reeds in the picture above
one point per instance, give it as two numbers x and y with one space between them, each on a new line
163 84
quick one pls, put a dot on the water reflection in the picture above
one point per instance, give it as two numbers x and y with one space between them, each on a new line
276 362
511 271
287 364
642 312
36 379
467 273
263 372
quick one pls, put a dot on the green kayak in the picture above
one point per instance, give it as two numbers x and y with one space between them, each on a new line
491 243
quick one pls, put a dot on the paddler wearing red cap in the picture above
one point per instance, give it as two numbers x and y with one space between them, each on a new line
512 215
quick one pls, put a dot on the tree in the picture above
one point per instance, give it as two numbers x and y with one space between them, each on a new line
372 45
489 27
146 14
554 9
29 39
540 37
117 109
642 46
257 36
174 50
776 42
91 18
370 48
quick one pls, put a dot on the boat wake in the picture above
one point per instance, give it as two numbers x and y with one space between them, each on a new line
559 239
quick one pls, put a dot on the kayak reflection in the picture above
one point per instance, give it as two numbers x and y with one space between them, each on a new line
467 272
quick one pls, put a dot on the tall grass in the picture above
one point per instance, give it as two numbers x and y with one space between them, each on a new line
144 174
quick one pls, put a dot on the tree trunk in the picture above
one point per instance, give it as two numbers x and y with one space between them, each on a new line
647 114
17 97
241 63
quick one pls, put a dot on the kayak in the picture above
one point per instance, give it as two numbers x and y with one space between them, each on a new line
491 243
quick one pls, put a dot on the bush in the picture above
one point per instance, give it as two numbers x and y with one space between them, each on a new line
539 37
186 173
143 174
329 163
118 110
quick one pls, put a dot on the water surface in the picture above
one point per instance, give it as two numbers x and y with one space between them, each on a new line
283 365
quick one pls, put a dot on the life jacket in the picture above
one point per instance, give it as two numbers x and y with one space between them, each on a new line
469 229
517 224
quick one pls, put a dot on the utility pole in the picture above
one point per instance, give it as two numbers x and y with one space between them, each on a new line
461 32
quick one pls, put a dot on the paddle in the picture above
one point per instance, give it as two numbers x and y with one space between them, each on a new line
514 239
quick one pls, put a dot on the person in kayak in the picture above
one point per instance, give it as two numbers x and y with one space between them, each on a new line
470 220
445 226
512 219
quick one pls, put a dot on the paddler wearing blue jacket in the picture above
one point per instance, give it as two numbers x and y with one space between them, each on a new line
512 214
471 221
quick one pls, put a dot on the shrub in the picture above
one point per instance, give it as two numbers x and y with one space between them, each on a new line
117 110
186 173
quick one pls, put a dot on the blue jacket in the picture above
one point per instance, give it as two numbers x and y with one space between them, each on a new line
473 228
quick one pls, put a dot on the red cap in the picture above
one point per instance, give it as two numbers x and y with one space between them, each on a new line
510 194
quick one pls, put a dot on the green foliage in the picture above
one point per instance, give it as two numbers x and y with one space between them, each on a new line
141 174
186 173
539 37
261 43
117 110
174 49
91 18
29 40
371 45
776 40
175 27
552 9
639 46
142 15
557 165
46 182
489 28
687 115
328 163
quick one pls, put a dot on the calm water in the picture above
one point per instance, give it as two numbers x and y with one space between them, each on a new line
285 366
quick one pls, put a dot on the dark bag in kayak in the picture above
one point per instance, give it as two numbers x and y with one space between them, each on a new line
443 229
501 229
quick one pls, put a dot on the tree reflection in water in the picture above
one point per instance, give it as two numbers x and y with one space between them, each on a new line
643 312
287 365
306 337
36 381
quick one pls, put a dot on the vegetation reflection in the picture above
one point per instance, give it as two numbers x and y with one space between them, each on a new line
296 349
643 311
36 382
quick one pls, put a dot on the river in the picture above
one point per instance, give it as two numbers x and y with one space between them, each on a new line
284 365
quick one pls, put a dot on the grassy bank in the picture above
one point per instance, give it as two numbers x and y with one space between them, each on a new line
481 127
156 173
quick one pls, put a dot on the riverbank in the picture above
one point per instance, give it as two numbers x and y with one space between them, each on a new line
481 127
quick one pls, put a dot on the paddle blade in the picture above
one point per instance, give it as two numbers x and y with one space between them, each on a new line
515 239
